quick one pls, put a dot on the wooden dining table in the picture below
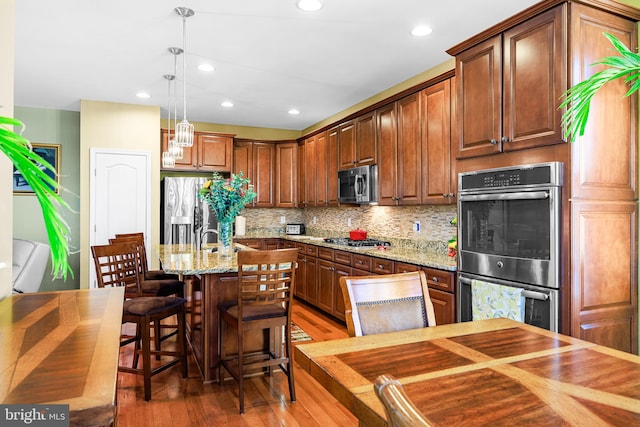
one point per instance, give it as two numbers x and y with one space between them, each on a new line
62 348
488 372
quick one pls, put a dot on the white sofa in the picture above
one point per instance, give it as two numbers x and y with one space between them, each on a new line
29 262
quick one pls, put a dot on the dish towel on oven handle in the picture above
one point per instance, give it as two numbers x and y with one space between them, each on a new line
490 300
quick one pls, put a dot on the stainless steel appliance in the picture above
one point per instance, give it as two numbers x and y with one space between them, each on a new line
185 218
295 229
358 185
509 231
360 243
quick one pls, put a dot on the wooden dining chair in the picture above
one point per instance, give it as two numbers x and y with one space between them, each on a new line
386 303
161 285
117 265
400 410
148 274
265 290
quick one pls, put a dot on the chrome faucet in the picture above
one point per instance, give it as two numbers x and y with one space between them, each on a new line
200 237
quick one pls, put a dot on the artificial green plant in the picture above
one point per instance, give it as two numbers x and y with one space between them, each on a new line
578 98
32 167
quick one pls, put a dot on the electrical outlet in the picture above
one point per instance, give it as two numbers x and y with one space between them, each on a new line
283 219
349 222
416 226
315 220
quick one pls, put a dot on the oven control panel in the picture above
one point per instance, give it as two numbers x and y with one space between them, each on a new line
541 174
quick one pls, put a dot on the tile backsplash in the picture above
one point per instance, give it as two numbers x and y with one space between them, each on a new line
394 223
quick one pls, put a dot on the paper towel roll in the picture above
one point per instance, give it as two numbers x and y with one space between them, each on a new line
241 225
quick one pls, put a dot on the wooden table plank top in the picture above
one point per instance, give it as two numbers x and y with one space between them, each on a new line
490 372
62 348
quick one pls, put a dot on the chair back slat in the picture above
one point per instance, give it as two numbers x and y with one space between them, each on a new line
139 238
266 277
116 264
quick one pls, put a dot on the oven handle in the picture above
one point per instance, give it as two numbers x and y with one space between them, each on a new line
525 292
533 195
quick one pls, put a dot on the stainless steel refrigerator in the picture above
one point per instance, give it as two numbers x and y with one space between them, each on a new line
184 217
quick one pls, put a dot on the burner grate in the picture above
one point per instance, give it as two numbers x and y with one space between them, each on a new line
343 241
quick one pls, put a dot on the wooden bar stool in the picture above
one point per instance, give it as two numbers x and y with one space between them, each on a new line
117 265
265 291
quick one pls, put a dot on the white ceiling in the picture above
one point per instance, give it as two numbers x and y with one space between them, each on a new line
269 55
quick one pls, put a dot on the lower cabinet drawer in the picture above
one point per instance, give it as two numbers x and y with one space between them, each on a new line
342 257
362 262
381 266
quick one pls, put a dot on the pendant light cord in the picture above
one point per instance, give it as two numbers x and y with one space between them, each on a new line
184 66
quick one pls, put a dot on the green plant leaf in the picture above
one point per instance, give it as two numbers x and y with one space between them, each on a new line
577 99
27 162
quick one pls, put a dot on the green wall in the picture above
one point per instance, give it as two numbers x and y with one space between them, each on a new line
63 128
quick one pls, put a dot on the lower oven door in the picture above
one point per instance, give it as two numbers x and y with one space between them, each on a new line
540 304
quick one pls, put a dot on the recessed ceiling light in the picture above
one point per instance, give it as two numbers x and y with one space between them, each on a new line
206 67
309 5
421 31
294 112
227 104
143 95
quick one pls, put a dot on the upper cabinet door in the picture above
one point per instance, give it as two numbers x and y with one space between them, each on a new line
215 152
366 151
409 151
436 141
479 75
535 77
347 143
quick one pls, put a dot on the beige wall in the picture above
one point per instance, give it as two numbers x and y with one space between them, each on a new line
116 127
7 13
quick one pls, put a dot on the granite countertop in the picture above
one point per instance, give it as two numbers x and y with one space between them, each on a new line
410 255
185 259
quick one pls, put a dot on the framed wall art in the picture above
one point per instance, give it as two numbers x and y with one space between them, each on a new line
49 152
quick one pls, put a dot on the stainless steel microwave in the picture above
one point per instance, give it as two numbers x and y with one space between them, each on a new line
358 185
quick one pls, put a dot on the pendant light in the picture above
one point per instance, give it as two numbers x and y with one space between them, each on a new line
184 129
174 148
168 159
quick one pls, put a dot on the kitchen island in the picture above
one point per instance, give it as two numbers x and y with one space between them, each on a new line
209 281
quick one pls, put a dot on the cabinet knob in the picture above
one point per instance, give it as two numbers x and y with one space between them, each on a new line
505 139
494 142
452 194
381 267
445 195
435 279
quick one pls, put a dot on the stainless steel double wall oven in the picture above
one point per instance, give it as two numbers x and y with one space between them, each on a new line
509 233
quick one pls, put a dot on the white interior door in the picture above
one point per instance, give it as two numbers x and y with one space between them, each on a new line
120 196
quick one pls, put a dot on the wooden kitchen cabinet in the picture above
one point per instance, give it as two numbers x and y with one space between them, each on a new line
333 155
211 152
309 172
510 86
357 142
321 151
286 178
438 183
605 282
399 169
257 162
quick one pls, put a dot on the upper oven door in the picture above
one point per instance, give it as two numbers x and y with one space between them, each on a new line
511 235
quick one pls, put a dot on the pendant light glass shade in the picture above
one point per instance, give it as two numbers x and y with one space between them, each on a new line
167 160
184 129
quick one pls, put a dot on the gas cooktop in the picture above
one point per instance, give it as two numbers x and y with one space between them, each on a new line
366 243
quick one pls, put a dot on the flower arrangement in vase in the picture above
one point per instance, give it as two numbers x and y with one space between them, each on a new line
226 197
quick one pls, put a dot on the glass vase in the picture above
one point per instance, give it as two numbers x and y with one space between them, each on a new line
225 239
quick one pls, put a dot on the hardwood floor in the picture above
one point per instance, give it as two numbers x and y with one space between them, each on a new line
177 402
